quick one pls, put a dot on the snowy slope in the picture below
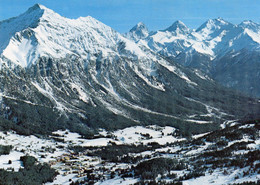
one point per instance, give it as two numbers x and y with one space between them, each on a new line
207 47
138 32
81 74
226 156
213 37
60 74
49 34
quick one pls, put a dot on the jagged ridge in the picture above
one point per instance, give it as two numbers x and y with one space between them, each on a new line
80 73
207 47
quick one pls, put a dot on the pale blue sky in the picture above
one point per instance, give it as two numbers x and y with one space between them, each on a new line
156 14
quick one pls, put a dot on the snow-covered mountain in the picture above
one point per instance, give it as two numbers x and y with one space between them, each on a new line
79 73
207 47
40 32
139 31
215 37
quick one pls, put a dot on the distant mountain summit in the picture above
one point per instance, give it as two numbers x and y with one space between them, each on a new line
250 25
80 74
212 25
138 32
178 27
218 48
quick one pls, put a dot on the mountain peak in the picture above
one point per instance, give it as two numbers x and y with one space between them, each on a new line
88 19
42 32
215 24
220 20
140 24
178 26
29 19
139 27
250 25
247 22
38 8
139 31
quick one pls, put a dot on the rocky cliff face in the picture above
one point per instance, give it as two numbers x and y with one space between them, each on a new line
80 74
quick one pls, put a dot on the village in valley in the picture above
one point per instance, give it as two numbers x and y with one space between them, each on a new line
122 156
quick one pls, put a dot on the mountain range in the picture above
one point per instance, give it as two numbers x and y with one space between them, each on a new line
80 74
226 52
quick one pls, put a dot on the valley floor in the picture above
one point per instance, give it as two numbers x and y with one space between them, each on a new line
143 155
